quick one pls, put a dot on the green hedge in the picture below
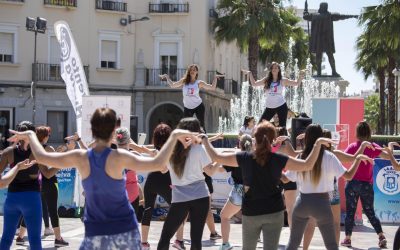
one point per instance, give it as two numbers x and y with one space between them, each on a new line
385 139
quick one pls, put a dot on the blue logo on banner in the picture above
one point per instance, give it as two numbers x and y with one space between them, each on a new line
387 180
230 181
140 179
161 199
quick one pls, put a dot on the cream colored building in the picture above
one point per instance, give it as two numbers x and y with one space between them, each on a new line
122 56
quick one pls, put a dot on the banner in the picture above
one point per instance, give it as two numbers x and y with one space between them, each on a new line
66 187
387 192
72 71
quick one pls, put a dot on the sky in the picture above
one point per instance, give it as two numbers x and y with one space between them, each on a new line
346 33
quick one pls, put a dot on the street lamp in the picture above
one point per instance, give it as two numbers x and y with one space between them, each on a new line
125 21
396 73
38 26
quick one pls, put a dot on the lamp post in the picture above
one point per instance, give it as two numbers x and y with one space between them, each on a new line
38 26
396 73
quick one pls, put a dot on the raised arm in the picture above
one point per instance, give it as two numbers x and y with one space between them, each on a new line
227 159
46 171
384 154
296 164
6 179
349 174
393 160
252 81
172 84
288 82
213 85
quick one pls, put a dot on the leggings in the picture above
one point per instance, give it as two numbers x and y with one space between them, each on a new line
28 205
396 243
281 111
270 225
199 111
316 205
157 183
198 211
363 190
49 199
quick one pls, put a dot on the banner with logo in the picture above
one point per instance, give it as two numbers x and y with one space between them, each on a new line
387 192
66 187
72 71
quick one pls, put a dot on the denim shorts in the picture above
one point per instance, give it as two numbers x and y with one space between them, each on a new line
124 241
236 194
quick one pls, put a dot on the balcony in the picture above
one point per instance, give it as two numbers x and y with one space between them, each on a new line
152 76
168 8
13 1
51 72
111 5
62 3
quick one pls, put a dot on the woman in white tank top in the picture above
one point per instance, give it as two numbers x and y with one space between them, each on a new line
273 85
190 85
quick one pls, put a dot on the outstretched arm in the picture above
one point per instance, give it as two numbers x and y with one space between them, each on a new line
227 159
252 81
213 85
172 84
349 174
287 82
6 179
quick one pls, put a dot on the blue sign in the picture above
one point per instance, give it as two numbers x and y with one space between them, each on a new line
66 187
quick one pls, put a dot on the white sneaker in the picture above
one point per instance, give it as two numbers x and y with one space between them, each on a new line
48 231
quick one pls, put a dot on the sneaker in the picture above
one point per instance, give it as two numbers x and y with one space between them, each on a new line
60 243
48 231
215 236
346 243
179 245
19 241
225 246
145 246
382 242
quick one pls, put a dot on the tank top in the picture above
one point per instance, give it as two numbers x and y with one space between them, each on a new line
22 181
46 182
273 95
191 95
107 209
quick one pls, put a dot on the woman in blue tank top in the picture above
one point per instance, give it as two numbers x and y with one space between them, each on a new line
273 84
109 218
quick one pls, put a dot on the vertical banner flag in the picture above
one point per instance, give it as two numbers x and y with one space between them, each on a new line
72 70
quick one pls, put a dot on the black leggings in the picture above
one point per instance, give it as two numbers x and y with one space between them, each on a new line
157 183
281 111
199 111
49 197
396 243
198 211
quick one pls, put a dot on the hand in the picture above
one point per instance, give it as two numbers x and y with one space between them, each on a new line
163 77
185 137
393 144
71 145
25 164
301 136
74 137
219 136
325 141
246 72
367 144
61 148
20 136
219 76
365 159
280 139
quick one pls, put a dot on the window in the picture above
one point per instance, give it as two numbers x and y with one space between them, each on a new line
169 59
54 60
6 47
109 54
6 122
57 121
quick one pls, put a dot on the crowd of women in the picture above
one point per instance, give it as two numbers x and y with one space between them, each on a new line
267 172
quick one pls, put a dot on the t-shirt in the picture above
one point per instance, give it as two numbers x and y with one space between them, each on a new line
236 174
365 170
273 95
264 195
196 160
191 95
331 167
246 130
132 186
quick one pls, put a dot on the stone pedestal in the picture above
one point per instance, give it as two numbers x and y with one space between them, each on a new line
339 81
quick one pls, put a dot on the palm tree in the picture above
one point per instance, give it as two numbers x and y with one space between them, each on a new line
251 23
381 29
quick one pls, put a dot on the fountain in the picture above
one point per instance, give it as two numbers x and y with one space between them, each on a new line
298 99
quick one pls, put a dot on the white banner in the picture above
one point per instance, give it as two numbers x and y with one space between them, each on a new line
72 71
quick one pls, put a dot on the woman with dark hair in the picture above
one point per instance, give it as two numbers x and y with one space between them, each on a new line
23 195
273 85
314 187
158 183
262 172
248 126
102 170
361 186
190 195
192 102
49 195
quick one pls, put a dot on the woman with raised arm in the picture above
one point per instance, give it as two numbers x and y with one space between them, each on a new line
273 85
314 187
191 85
262 172
103 181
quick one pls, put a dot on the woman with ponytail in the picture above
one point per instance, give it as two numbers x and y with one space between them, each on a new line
263 205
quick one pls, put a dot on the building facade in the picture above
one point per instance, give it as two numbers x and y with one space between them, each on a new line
122 53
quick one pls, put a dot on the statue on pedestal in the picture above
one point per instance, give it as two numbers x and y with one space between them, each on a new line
321 38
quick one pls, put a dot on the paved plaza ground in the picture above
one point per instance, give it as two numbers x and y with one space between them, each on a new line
364 236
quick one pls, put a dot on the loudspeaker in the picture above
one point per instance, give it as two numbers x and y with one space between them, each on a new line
299 125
